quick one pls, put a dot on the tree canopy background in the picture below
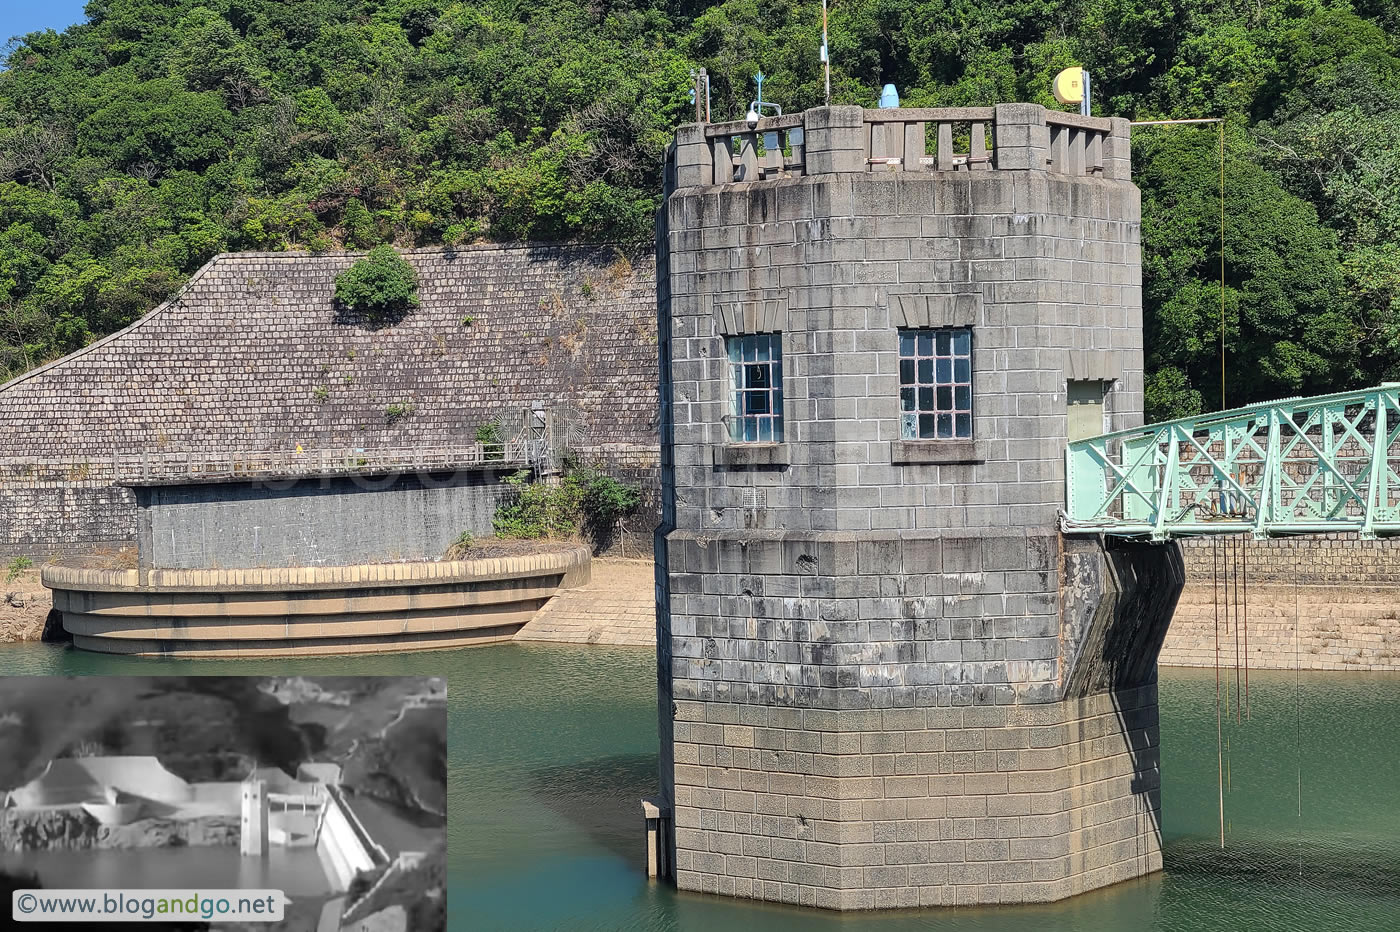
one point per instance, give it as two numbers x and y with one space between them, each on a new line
136 145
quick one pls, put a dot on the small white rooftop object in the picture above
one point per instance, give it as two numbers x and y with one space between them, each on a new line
889 98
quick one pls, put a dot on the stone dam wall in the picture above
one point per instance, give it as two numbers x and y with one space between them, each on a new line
1340 592
254 354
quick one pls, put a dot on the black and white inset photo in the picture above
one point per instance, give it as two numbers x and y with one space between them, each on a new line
330 789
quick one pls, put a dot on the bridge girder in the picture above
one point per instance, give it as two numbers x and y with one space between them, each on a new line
1293 466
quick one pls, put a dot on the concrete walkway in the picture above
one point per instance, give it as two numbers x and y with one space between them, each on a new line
618 606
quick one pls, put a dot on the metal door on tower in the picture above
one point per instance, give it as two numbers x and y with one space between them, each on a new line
1085 402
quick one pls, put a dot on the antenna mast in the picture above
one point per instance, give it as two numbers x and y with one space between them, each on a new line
826 56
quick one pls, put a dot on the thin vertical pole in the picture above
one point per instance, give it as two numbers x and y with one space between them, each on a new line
826 55
1223 405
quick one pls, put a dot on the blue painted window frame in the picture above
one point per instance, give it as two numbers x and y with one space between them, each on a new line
756 388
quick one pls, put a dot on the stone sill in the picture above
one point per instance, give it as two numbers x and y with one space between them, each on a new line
752 455
926 452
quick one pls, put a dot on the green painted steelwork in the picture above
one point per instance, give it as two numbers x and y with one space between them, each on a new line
1293 466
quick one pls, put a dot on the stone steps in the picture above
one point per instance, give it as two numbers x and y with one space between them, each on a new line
617 607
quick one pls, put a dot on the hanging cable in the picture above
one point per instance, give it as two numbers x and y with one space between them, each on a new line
1245 562
1219 742
1238 544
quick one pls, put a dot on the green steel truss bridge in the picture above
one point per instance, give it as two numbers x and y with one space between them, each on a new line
1293 466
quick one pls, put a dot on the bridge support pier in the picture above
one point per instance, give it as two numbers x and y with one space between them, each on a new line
253 837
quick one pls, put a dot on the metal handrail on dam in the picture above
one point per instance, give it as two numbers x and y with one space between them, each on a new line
224 466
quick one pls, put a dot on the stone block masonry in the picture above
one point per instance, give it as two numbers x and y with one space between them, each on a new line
1344 593
254 355
1313 560
885 680
52 505
1355 629
925 804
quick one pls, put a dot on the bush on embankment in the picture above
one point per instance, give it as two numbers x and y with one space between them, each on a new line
584 502
380 286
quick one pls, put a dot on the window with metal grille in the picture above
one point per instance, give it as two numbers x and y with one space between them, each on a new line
935 384
756 399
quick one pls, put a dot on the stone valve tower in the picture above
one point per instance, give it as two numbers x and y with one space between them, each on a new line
886 679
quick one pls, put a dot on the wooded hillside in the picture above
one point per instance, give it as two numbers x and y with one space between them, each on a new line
136 145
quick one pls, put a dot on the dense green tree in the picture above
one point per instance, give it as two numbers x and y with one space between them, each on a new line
380 284
136 145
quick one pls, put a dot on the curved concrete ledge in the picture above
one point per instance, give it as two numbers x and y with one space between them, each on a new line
309 610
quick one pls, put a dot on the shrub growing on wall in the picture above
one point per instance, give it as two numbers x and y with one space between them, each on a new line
537 509
584 500
379 285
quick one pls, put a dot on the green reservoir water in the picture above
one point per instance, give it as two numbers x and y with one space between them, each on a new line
552 748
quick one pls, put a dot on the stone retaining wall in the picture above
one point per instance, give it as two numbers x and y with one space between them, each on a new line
1339 628
255 355
1314 559
1347 593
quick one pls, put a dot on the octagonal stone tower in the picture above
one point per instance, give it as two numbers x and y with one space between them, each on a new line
886 680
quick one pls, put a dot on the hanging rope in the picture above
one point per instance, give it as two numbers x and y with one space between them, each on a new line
1221 125
1298 709
1216 562
1225 553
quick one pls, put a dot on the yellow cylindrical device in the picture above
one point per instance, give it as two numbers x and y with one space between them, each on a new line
1069 85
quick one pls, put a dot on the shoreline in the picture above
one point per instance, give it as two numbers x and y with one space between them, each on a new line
25 604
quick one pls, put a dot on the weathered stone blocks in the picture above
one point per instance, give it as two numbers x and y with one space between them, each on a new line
254 355
884 679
